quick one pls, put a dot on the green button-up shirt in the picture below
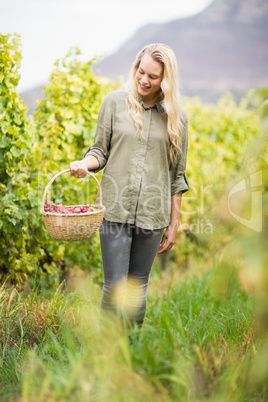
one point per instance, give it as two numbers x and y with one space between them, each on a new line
138 180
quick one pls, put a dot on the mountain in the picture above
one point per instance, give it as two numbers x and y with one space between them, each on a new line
223 48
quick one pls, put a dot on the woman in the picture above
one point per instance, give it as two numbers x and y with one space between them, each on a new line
141 139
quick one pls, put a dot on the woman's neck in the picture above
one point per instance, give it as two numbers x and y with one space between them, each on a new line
151 102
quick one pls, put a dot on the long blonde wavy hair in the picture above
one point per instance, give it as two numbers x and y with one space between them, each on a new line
171 98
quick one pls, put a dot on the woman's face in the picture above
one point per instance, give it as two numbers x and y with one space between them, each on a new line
149 77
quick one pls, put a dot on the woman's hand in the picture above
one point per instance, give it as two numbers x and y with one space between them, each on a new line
169 236
78 169
168 239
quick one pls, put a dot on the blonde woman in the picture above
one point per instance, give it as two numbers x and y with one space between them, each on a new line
141 140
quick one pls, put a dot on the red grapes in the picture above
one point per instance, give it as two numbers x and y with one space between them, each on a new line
80 209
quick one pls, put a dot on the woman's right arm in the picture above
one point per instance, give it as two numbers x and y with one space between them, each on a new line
97 155
80 168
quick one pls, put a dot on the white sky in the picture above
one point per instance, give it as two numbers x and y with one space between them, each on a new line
49 28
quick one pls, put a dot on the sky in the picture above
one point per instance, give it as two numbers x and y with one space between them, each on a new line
49 28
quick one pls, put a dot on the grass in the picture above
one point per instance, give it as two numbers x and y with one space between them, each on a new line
199 342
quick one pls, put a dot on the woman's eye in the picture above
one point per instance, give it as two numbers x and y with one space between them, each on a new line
153 78
141 72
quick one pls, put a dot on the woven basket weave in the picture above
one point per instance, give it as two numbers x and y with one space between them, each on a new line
71 227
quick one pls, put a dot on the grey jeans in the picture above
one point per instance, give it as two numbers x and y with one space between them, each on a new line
128 253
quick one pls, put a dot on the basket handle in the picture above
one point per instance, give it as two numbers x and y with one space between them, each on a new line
64 171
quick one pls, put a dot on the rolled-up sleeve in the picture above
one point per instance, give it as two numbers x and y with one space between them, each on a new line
102 140
178 179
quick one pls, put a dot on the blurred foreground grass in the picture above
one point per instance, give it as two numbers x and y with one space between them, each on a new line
199 342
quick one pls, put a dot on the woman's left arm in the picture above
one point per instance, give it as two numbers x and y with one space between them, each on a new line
169 236
179 185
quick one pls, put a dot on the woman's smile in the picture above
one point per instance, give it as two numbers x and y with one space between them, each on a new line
143 87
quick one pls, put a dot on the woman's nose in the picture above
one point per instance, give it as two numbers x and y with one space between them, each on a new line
144 80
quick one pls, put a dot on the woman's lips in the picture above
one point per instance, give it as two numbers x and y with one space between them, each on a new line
144 88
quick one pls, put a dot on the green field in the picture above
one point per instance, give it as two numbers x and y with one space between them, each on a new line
196 344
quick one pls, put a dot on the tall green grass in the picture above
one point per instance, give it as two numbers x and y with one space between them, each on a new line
199 342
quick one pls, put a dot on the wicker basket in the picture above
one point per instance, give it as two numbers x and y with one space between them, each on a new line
69 227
